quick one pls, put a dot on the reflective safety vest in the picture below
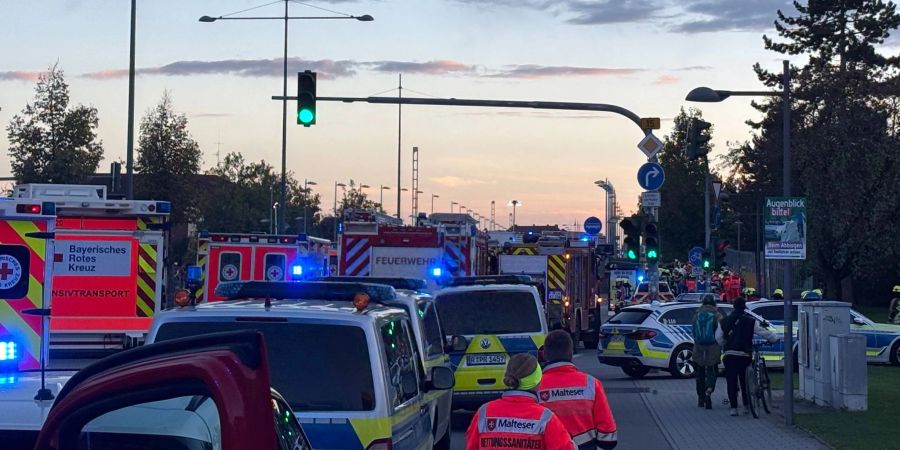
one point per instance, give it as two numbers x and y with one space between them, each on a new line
579 400
517 421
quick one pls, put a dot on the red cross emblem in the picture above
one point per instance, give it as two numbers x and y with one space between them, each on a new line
5 271
10 271
229 272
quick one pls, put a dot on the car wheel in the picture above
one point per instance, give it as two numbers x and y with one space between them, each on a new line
681 364
895 354
636 371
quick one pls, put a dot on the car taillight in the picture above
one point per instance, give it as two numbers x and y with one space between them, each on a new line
381 444
641 335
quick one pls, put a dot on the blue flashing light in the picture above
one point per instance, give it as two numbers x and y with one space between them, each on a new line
297 270
436 272
7 380
640 279
585 239
8 351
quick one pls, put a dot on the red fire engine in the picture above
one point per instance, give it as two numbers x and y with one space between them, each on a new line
224 257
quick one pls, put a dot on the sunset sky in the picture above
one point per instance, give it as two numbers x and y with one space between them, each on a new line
644 55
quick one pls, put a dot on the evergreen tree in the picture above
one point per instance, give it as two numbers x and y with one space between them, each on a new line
51 142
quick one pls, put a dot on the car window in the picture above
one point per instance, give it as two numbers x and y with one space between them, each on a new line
229 266
643 287
725 311
400 360
664 288
180 423
680 316
488 312
288 432
774 312
316 367
274 264
630 316
434 338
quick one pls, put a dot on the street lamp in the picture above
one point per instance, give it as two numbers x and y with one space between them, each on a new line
306 191
452 204
381 197
708 95
514 204
336 185
611 217
285 18
461 208
433 196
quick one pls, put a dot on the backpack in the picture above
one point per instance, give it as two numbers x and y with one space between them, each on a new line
704 327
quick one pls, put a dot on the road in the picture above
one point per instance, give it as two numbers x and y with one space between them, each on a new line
660 413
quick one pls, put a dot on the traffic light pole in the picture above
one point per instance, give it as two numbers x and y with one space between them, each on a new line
707 229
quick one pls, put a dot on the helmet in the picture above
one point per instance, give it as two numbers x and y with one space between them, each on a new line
818 291
804 294
897 288
749 292
810 295
781 293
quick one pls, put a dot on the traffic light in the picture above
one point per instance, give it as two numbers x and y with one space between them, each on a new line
697 139
306 98
706 262
720 252
632 228
651 242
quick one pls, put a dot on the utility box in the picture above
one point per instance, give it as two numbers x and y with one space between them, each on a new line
817 322
849 372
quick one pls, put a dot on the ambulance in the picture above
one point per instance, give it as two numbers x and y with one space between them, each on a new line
107 265
228 257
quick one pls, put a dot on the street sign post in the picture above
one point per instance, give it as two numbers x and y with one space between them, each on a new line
650 145
695 256
651 176
592 226
650 199
785 227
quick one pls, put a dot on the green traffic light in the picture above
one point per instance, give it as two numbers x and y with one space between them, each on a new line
706 264
651 254
306 116
631 254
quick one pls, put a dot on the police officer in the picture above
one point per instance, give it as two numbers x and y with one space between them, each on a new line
577 398
777 294
516 420
894 311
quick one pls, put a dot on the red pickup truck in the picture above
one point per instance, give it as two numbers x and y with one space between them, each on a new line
209 392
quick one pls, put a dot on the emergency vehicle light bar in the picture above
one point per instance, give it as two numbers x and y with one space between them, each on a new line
409 284
303 290
491 279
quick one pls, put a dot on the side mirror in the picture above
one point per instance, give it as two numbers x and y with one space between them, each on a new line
458 344
442 378
858 321
408 385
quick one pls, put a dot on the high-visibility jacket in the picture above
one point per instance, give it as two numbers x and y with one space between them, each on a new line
580 402
516 420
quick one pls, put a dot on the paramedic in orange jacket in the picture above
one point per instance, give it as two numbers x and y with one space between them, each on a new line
576 397
516 420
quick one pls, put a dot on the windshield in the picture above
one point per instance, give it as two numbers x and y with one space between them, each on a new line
315 367
488 312
630 316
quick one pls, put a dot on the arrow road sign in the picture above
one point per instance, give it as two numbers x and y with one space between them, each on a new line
592 226
695 256
651 176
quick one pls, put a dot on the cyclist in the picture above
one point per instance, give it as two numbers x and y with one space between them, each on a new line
736 337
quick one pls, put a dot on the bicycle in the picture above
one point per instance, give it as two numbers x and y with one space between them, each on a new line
758 385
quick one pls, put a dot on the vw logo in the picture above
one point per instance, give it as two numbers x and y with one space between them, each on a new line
485 343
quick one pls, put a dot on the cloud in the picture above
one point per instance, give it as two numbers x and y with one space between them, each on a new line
18 75
667 79
602 12
438 67
538 71
731 15
692 68
451 181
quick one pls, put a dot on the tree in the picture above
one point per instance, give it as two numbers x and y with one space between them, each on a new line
51 142
168 158
845 141
681 212
355 198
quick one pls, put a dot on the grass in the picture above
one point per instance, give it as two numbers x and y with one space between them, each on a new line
776 377
876 313
872 429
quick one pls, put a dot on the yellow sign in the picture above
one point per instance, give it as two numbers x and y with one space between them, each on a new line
649 123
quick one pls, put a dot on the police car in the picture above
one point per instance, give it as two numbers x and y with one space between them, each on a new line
882 340
345 359
645 337
489 323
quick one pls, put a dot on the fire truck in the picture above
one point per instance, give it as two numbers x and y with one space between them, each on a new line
564 267
107 264
224 257
436 247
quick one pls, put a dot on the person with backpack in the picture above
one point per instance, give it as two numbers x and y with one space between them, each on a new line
707 352
736 335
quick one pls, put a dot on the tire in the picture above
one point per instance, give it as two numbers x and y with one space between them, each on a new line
751 388
895 354
444 443
767 387
680 365
636 371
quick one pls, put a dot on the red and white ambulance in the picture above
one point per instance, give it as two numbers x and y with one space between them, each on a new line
224 257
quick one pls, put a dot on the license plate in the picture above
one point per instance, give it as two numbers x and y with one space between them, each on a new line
618 338
485 360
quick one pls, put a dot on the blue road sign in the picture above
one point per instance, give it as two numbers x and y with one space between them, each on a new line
592 226
651 176
695 256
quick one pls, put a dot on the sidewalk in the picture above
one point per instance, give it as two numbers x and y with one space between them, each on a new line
673 406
